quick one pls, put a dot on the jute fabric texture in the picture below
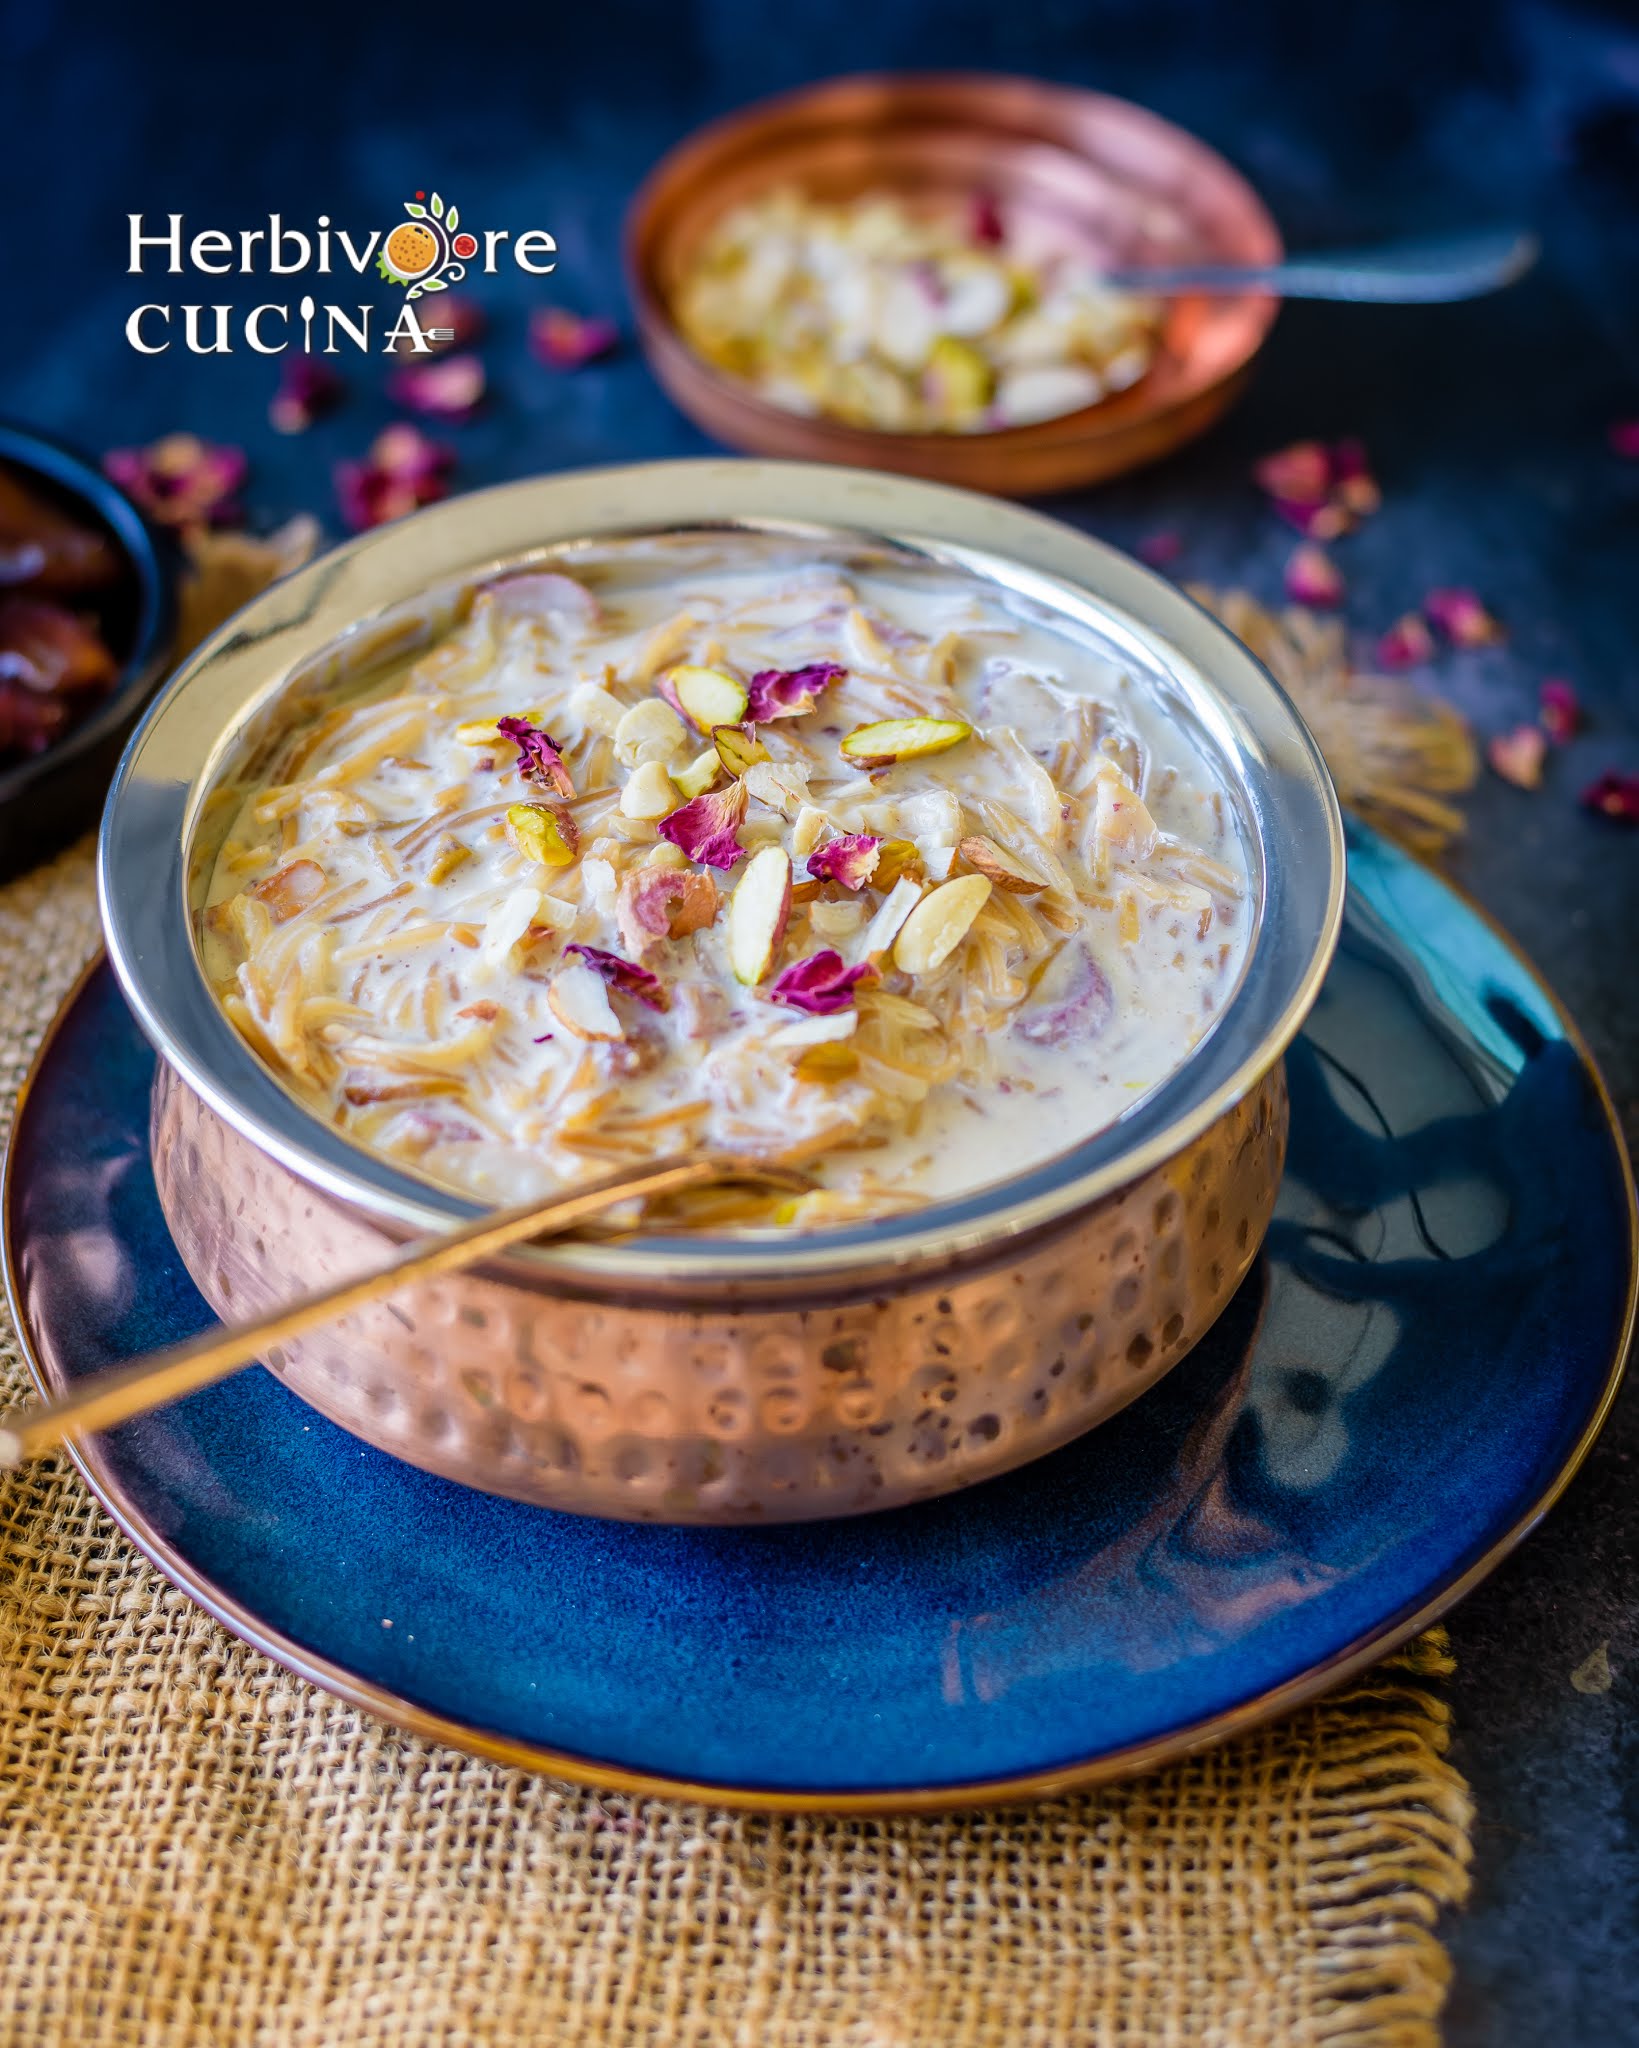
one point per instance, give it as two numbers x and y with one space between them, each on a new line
201 1851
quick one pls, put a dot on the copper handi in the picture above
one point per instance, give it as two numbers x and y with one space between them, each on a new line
764 1375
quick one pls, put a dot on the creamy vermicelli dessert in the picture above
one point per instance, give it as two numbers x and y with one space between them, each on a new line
912 320
856 866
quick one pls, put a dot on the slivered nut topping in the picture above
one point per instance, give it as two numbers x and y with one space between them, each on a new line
542 833
1000 866
757 914
903 739
738 748
707 697
579 997
939 923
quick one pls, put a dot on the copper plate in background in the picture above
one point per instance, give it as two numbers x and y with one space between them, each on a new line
1108 178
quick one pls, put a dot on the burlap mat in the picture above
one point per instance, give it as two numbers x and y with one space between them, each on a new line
197 1848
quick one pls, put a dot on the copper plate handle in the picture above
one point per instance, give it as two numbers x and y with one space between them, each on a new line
106 1398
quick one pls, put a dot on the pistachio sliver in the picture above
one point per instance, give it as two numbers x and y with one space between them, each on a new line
902 739
542 833
706 697
738 747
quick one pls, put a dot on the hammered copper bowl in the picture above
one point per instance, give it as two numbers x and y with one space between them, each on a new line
722 1379
1109 178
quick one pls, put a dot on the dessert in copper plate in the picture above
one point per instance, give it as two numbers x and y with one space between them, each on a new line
806 812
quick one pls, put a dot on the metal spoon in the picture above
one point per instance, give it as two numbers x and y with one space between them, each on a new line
104 1398
1399 274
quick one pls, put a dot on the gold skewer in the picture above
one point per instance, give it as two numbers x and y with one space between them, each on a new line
126 1390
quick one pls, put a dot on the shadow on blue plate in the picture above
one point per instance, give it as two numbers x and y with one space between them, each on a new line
1409 1375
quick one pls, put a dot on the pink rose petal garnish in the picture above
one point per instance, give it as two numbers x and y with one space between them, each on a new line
1518 756
1460 616
180 480
625 977
1407 644
402 471
444 388
705 827
984 221
1561 711
789 692
1614 796
1298 475
821 985
1313 578
850 859
664 903
1160 549
1624 439
568 341
539 759
309 387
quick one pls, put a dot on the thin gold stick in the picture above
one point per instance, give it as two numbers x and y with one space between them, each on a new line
126 1390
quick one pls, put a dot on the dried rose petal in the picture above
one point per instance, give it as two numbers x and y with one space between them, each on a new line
539 759
850 859
1160 548
1614 796
309 387
625 977
1407 644
50 650
984 221
1313 578
1624 439
1518 756
1298 475
789 692
821 985
402 471
180 480
1561 712
1326 521
664 903
705 827
567 341
446 388
1460 616
462 316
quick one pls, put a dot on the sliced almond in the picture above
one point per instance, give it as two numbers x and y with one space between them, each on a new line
903 739
543 833
650 731
649 793
1120 820
1003 868
738 748
706 697
579 999
884 928
939 923
757 914
815 1031
289 889
782 785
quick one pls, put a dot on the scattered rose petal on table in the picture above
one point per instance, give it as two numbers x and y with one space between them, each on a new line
1518 756
309 387
1614 796
1624 439
1323 490
1561 710
1313 578
1160 548
1298 475
625 977
180 480
1461 617
568 341
445 387
402 471
1407 644
789 692
821 984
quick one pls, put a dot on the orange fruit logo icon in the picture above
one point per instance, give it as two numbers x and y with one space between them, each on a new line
425 253
412 250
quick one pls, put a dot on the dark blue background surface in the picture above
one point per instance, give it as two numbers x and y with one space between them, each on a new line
1486 424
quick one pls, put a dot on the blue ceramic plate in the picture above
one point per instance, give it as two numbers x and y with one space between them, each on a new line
1404 1384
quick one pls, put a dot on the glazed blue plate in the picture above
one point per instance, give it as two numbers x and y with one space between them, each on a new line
1406 1381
